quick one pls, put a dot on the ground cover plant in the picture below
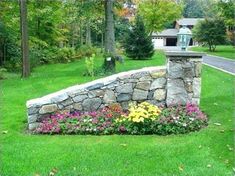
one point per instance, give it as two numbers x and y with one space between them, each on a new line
143 118
227 51
207 152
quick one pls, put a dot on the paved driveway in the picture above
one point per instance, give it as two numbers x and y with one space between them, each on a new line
220 63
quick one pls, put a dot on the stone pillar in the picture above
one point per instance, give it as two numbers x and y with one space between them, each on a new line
183 77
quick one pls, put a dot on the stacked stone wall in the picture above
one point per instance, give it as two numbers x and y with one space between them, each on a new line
179 82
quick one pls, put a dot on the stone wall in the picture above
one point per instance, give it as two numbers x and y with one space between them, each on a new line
179 82
183 78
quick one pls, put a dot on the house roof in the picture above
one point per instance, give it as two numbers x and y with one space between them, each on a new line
167 33
188 21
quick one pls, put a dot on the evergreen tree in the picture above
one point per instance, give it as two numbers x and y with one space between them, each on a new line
138 44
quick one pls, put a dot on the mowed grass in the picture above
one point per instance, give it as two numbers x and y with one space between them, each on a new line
207 152
226 51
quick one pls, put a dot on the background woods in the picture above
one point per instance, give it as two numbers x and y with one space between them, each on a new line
63 31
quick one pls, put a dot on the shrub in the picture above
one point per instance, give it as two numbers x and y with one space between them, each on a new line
90 65
138 44
144 118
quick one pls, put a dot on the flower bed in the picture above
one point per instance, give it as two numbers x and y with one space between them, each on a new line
143 118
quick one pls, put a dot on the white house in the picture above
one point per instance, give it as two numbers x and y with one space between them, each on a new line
168 37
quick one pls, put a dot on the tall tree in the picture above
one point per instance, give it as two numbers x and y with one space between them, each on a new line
156 13
24 39
226 11
109 43
109 27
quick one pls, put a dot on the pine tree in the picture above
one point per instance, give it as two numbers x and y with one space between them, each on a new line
138 45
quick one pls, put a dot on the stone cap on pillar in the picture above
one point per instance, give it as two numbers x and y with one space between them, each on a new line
190 54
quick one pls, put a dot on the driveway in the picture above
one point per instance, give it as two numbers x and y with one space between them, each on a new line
220 63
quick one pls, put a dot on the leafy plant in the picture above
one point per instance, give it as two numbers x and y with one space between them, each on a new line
210 32
140 119
90 65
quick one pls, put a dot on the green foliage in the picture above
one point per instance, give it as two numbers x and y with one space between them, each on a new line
199 8
156 13
2 72
226 11
138 45
210 32
89 61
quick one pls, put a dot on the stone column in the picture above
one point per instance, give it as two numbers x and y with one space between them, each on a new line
183 77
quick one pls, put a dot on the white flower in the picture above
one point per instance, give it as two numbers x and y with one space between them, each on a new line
184 124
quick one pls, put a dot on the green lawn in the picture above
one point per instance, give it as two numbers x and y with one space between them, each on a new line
226 51
23 154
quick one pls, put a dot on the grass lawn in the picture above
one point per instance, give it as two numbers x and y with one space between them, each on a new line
201 153
226 51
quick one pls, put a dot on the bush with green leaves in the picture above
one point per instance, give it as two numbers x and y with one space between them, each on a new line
89 61
210 32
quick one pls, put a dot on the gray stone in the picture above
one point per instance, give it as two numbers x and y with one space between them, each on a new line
109 97
187 65
145 85
198 68
175 70
68 108
140 94
67 102
140 74
33 110
146 78
95 86
95 93
91 104
59 98
158 74
125 88
33 126
160 94
48 109
188 86
196 87
77 106
158 83
176 93
188 72
123 97
32 118
150 94
157 103
79 98
125 105
130 80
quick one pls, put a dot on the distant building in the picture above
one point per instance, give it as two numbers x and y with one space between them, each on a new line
168 37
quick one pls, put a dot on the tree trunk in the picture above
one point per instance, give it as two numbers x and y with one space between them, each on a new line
88 33
81 33
109 41
24 39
